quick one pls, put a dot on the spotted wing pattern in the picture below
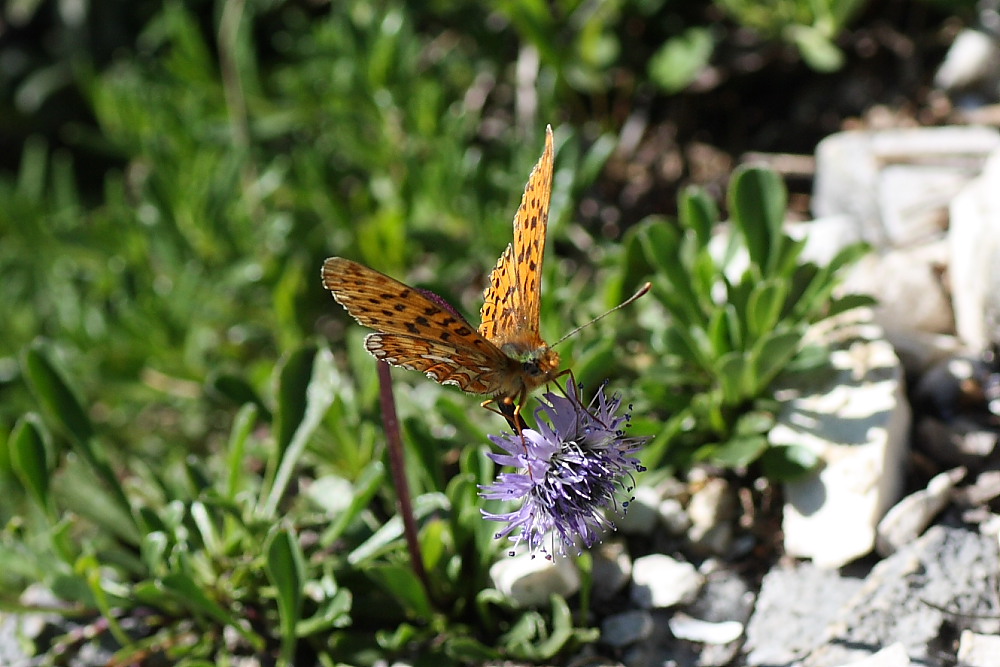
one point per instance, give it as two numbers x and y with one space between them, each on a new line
513 297
415 331
469 369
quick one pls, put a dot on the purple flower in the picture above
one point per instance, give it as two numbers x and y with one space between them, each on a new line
569 470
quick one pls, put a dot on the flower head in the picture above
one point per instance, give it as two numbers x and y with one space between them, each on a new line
569 470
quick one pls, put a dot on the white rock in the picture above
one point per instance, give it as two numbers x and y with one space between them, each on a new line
857 421
627 627
706 632
880 178
641 516
612 569
710 504
908 518
825 237
673 516
975 650
659 581
908 287
530 580
973 59
919 350
974 267
893 656
913 200
711 507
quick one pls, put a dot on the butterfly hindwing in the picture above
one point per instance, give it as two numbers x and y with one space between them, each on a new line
472 369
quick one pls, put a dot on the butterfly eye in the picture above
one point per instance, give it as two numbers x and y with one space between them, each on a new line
531 368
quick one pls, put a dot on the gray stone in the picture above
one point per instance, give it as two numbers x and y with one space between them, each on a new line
626 628
642 515
612 569
914 596
795 605
910 516
974 267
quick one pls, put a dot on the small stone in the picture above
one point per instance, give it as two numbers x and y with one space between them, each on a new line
626 628
659 581
641 517
612 569
706 632
976 650
673 516
908 518
530 580
892 656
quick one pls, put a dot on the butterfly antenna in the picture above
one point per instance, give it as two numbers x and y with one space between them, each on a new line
642 290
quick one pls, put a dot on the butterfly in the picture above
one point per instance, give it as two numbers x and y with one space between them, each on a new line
505 357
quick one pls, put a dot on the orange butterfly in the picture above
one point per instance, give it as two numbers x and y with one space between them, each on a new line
416 329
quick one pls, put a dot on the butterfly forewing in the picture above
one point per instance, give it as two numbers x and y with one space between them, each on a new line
510 312
416 332
506 358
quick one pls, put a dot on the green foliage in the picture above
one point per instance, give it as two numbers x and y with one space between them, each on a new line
297 577
731 329
174 445
811 25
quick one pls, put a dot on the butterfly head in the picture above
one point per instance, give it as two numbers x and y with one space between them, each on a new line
538 364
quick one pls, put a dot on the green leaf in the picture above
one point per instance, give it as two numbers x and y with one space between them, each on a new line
397 640
756 422
698 212
732 370
366 487
308 403
787 463
467 650
236 389
293 383
560 634
633 269
850 302
186 591
80 492
392 530
757 202
334 613
740 451
404 586
719 333
285 567
243 425
681 59
819 52
765 305
771 356
29 460
58 401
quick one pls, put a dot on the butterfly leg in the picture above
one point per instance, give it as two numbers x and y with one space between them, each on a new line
509 410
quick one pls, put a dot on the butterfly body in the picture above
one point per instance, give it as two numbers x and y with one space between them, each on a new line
505 357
